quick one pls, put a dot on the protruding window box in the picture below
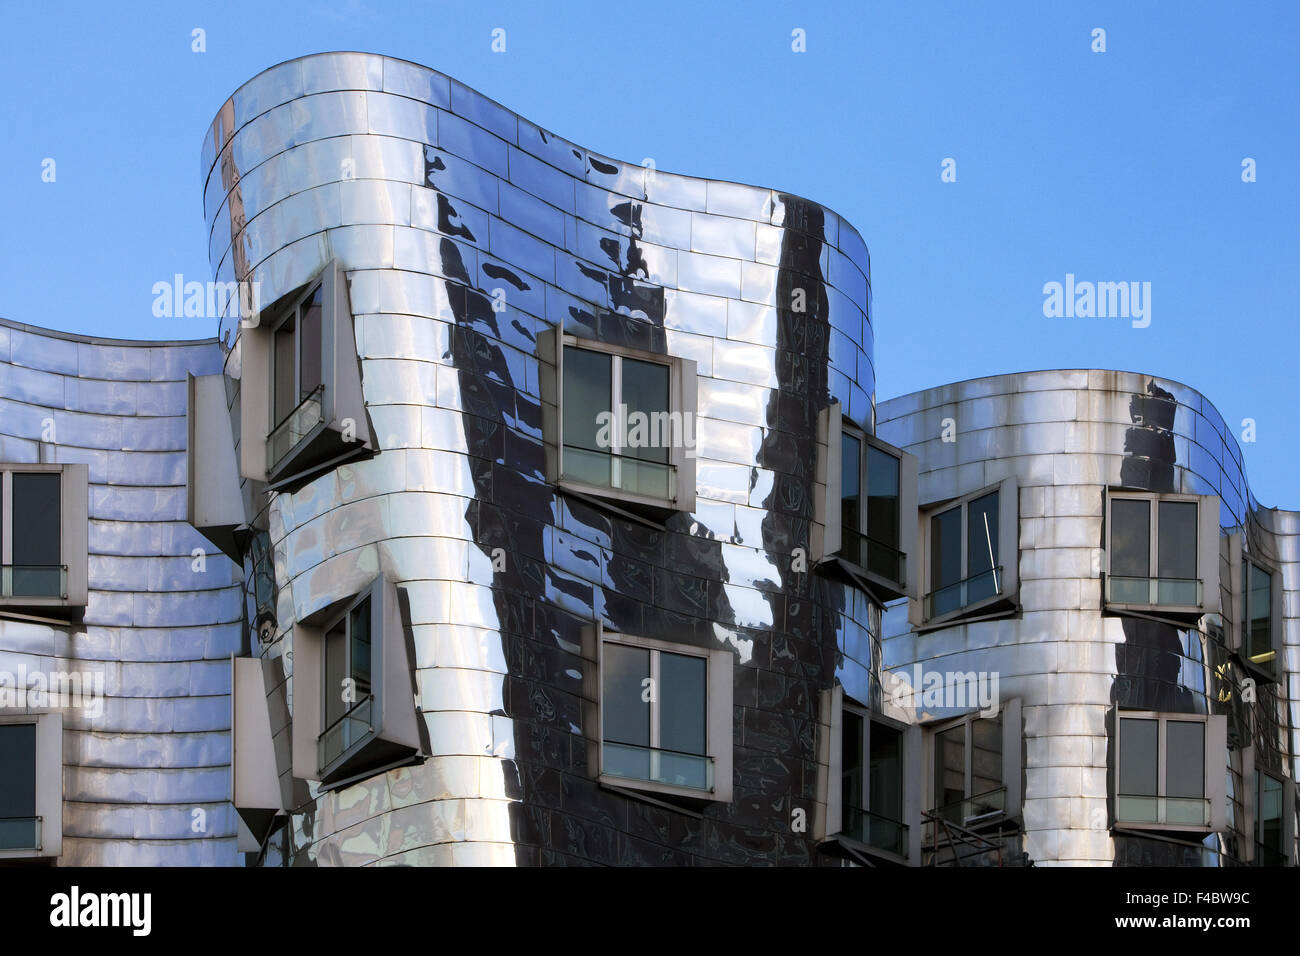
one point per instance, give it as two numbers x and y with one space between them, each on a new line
1258 630
301 404
214 504
1162 554
255 775
354 691
1167 771
864 523
970 557
619 424
43 539
31 786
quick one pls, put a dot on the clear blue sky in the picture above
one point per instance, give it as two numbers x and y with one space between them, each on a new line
1123 165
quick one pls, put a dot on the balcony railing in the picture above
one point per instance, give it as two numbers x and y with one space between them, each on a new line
953 597
296 426
875 830
972 811
874 556
653 479
20 833
353 726
1143 808
656 765
34 580
1168 592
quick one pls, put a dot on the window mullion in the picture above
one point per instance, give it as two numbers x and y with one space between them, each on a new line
655 694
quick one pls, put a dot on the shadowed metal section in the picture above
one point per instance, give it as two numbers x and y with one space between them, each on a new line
1067 436
146 768
433 198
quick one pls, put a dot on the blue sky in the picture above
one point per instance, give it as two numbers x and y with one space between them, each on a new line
1115 166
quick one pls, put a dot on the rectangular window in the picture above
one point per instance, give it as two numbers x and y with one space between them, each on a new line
1270 841
871 763
43 537
1260 647
37 569
348 702
1161 771
968 779
19 823
620 423
1153 552
965 555
871 529
655 718
297 375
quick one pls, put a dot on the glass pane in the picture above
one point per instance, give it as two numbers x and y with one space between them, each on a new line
1259 645
587 390
950 772
1269 801
17 786
982 549
851 764
886 771
682 710
650 432
1138 743
359 621
282 373
625 713
1184 758
985 758
850 498
335 672
945 561
883 557
35 527
309 344
1177 529
1130 541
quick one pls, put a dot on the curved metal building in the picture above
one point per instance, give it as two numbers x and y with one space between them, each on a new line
471 240
1081 647
121 644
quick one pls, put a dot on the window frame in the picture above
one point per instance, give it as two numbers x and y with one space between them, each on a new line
1213 768
1207 552
1011 733
719 730
1272 671
48 784
1257 817
683 402
74 529
344 614
1003 602
869 722
291 311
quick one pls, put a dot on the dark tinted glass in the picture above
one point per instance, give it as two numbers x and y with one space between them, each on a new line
309 344
682 704
1269 800
17 771
36 545
882 497
982 548
1185 758
360 650
283 373
950 771
851 761
626 714
886 771
850 497
945 546
645 393
1177 549
1260 643
986 755
1130 538
336 650
1138 740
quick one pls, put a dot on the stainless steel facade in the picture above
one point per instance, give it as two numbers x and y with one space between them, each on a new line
145 766
431 197
1068 436
465 236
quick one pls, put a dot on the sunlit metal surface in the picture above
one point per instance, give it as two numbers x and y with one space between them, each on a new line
1067 435
146 766
424 189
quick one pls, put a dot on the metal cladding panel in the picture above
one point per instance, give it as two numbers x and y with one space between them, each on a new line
146 728
469 236
1066 437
